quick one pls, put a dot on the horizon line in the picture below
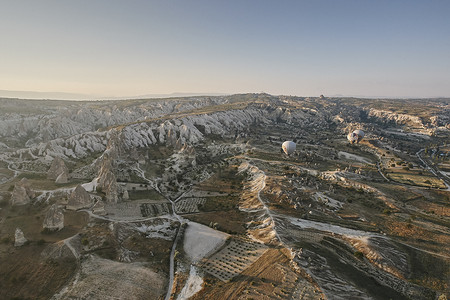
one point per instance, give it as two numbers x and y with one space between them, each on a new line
68 96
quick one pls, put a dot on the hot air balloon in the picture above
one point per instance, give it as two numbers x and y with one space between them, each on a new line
352 138
359 134
355 136
288 147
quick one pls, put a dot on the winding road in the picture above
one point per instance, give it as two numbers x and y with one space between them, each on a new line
177 236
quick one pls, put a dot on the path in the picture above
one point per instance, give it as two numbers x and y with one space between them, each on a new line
177 236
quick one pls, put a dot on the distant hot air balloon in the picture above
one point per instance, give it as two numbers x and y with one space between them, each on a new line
351 137
360 134
355 136
288 147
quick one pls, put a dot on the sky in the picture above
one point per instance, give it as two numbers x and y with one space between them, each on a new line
306 48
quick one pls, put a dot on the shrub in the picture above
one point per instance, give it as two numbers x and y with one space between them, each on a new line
6 240
358 254
3 203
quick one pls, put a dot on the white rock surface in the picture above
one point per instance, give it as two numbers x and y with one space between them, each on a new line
201 240
192 286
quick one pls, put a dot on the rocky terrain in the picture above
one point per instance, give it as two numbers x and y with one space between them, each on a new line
193 198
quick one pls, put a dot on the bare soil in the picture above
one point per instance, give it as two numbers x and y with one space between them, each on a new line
26 274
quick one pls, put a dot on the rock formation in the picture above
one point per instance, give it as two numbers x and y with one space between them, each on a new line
19 238
108 185
79 199
125 195
171 138
62 178
99 208
141 159
54 219
22 193
58 171
107 182
187 150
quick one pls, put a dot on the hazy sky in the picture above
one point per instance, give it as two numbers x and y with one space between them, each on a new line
306 48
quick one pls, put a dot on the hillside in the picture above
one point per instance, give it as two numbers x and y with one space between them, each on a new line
194 197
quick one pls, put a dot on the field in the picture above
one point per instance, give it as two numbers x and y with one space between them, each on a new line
229 262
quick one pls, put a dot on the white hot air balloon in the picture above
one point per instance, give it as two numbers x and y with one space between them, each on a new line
359 134
355 136
352 137
288 147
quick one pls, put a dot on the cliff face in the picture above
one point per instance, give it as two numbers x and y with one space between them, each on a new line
22 193
54 218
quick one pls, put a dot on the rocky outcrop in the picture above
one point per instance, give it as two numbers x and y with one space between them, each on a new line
54 219
62 120
22 193
107 184
141 159
62 178
389 116
175 132
125 195
79 199
58 171
171 137
99 208
187 150
107 181
19 238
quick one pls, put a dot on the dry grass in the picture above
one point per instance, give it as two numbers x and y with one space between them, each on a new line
414 178
25 274
30 219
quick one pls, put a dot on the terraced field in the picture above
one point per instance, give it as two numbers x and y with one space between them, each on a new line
232 260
